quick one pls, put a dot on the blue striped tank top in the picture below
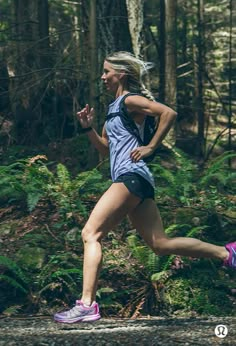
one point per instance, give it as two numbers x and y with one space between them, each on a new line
121 143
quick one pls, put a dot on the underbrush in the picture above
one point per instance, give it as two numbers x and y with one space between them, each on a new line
43 211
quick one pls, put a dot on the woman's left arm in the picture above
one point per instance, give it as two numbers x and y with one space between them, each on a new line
167 118
141 105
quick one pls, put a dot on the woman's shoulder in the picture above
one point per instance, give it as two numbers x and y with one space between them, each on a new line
136 102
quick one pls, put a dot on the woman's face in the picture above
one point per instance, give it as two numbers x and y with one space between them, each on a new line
110 77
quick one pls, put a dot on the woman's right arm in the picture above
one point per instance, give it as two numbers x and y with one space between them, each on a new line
99 142
85 117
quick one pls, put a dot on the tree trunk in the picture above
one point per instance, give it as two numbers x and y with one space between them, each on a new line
23 89
135 19
168 61
93 75
93 53
44 43
162 51
170 52
230 125
113 27
4 86
200 80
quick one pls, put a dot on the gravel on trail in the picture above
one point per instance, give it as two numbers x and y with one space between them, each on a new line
154 331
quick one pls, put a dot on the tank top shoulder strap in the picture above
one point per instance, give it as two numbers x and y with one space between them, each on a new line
118 106
128 94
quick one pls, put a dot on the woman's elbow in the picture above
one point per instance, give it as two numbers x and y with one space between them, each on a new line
174 114
104 150
171 116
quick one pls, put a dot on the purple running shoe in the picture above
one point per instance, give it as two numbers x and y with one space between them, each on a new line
231 261
79 313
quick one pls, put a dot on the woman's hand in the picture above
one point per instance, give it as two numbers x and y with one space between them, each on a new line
140 152
85 116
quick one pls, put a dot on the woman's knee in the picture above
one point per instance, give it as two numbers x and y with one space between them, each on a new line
90 234
160 247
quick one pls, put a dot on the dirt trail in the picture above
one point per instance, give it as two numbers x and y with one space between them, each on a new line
42 331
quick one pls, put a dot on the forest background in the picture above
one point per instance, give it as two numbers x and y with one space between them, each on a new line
51 55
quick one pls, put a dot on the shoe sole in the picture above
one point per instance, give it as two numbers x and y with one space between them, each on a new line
91 318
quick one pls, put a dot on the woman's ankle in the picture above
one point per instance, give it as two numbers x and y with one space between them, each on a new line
87 301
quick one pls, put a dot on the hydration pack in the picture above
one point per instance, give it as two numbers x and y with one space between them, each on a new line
150 126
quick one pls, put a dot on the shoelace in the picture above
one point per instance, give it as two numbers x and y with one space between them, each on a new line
74 311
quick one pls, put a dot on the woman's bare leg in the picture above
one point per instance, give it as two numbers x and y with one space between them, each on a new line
147 221
113 206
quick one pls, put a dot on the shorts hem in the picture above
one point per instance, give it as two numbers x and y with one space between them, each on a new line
137 185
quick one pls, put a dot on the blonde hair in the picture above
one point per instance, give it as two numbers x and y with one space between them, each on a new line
134 68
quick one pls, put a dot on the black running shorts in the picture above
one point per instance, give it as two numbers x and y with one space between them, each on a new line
137 185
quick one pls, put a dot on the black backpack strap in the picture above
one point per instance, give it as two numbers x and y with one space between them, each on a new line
127 120
122 106
129 124
149 129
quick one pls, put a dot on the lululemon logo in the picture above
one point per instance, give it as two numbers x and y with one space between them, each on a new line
221 331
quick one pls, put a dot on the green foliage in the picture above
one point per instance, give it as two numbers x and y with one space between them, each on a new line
218 173
197 289
69 194
109 298
152 275
157 285
62 191
62 274
163 283
60 277
157 267
12 283
189 186
30 180
145 256
13 275
25 180
177 182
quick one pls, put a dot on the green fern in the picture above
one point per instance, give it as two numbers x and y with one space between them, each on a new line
195 231
12 266
161 276
91 182
63 177
230 182
68 272
33 199
149 259
30 179
10 182
164 173
176 183
217 168
25 179
145 256
153 262
13 274
174 227
184 183
63 270
13 282
167 263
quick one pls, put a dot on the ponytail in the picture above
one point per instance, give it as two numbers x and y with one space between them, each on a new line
135 69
